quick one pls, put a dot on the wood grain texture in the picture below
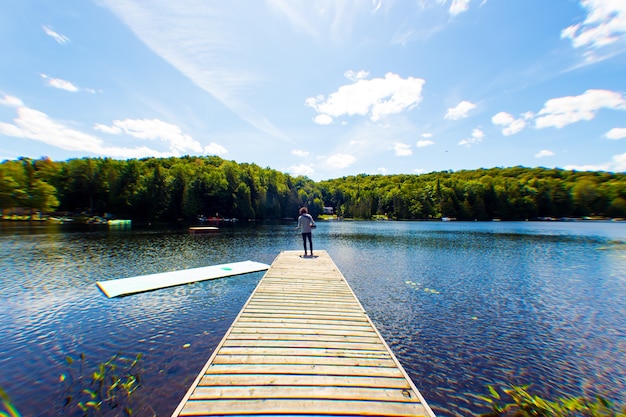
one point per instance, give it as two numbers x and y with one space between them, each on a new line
303 345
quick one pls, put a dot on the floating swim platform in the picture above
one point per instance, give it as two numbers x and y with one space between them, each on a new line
142 283
303 346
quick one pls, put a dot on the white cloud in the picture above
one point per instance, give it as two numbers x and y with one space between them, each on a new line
301 169
419 170
619 162
559 112
402 149
298 152
62 39
60 84
356 76
477 136
155 129
605 24
424 143
427 135
33 124
11 101
460 111
215 149
382 170
36 125
340 160
502 118
601 167
477 133
616 133
543 153
374 98
66 85
111 130
459 6
511 124
323 119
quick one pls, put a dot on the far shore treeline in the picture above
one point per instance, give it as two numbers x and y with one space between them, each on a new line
171 189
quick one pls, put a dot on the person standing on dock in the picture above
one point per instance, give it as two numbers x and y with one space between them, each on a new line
305 224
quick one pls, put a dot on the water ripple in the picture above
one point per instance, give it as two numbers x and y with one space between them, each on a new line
462 305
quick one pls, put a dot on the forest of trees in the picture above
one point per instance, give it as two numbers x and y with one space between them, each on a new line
170 189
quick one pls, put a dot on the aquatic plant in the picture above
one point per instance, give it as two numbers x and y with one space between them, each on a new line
521 403
7 406
109 386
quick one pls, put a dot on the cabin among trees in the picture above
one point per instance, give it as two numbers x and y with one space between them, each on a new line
169 189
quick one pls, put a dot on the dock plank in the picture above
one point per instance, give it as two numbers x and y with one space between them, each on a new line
302 392
303 380
302 406
303 345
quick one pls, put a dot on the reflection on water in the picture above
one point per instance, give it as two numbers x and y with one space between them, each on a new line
462 305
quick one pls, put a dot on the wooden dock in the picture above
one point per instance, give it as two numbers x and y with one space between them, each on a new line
303 345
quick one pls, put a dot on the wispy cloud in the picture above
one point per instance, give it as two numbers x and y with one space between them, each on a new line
459 6
211 57
62 39
424 143
65 85
60 84
299 152
374 98
461 110
329 19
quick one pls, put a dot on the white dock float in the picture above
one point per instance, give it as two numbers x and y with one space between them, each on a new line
142 283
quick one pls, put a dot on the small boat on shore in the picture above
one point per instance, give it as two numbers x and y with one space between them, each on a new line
119 222
203 229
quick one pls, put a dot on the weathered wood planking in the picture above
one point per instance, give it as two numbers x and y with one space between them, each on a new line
303 345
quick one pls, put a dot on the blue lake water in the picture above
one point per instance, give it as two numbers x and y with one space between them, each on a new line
462 305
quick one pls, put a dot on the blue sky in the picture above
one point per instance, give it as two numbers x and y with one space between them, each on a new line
318 88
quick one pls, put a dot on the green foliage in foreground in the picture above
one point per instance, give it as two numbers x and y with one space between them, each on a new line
114 382
171 189
110 386
522 403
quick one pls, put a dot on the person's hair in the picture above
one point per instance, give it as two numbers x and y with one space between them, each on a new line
303 210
